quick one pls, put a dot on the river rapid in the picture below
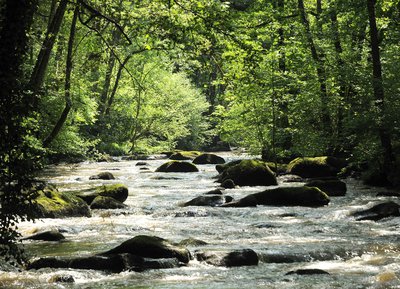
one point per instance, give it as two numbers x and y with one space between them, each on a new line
357 254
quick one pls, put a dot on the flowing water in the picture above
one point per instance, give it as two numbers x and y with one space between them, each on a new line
356 254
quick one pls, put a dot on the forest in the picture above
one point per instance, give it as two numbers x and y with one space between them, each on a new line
95 79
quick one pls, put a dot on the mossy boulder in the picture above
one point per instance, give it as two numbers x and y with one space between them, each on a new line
50 203
244 257
249 173
284 196
118 192
205 159
332 187
101 202
151 247
177 167
316 167
184 155
277 168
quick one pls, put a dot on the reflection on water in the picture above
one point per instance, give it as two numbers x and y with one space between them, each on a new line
356 254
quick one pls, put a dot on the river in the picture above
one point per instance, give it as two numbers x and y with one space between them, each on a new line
356 254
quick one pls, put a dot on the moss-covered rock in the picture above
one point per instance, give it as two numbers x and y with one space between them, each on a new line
316 167
50 203
205 159
277 168
332 187
151 247
105 203
248 173
177 167
285 196
184 155
118 192
51 235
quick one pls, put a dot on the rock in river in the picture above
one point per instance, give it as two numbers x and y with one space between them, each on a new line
151 247
332 187
51 235
177 167
50 203
118 192
285 196
211 201
205 159
316 167
248 173
102 176
244 257
101 202
379 211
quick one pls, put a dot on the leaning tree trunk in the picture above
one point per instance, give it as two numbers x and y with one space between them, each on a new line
379 92
68 70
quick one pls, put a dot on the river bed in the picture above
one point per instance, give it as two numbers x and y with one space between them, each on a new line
362 254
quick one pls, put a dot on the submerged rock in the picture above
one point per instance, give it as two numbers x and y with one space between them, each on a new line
214 192
205 159
211 201
228 184
307 272
51 235
177 167
248 173
192 242
379 211
50 203
183 155
316 167
285 196
244 257
332 188
103 176
151 247
62 279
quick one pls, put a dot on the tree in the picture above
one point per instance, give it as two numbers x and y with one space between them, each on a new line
18 156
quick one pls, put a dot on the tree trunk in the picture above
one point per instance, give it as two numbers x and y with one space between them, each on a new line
68 70
116 83
39 71
326 120
379 92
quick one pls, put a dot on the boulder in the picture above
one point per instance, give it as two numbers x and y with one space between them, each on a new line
244 257
101 202
332 188
62 279
211 201
249 173
285 196
118 192
177 167
50 203
316 167
151 247
205 159
103 176
379 211
228 184
183 155
51 235
214 192
114 263
307 272
141 164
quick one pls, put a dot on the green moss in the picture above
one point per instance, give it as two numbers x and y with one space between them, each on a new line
54 204
315 167
177 167
249 173
279 169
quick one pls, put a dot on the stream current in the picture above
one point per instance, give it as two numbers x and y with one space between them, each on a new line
357 254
